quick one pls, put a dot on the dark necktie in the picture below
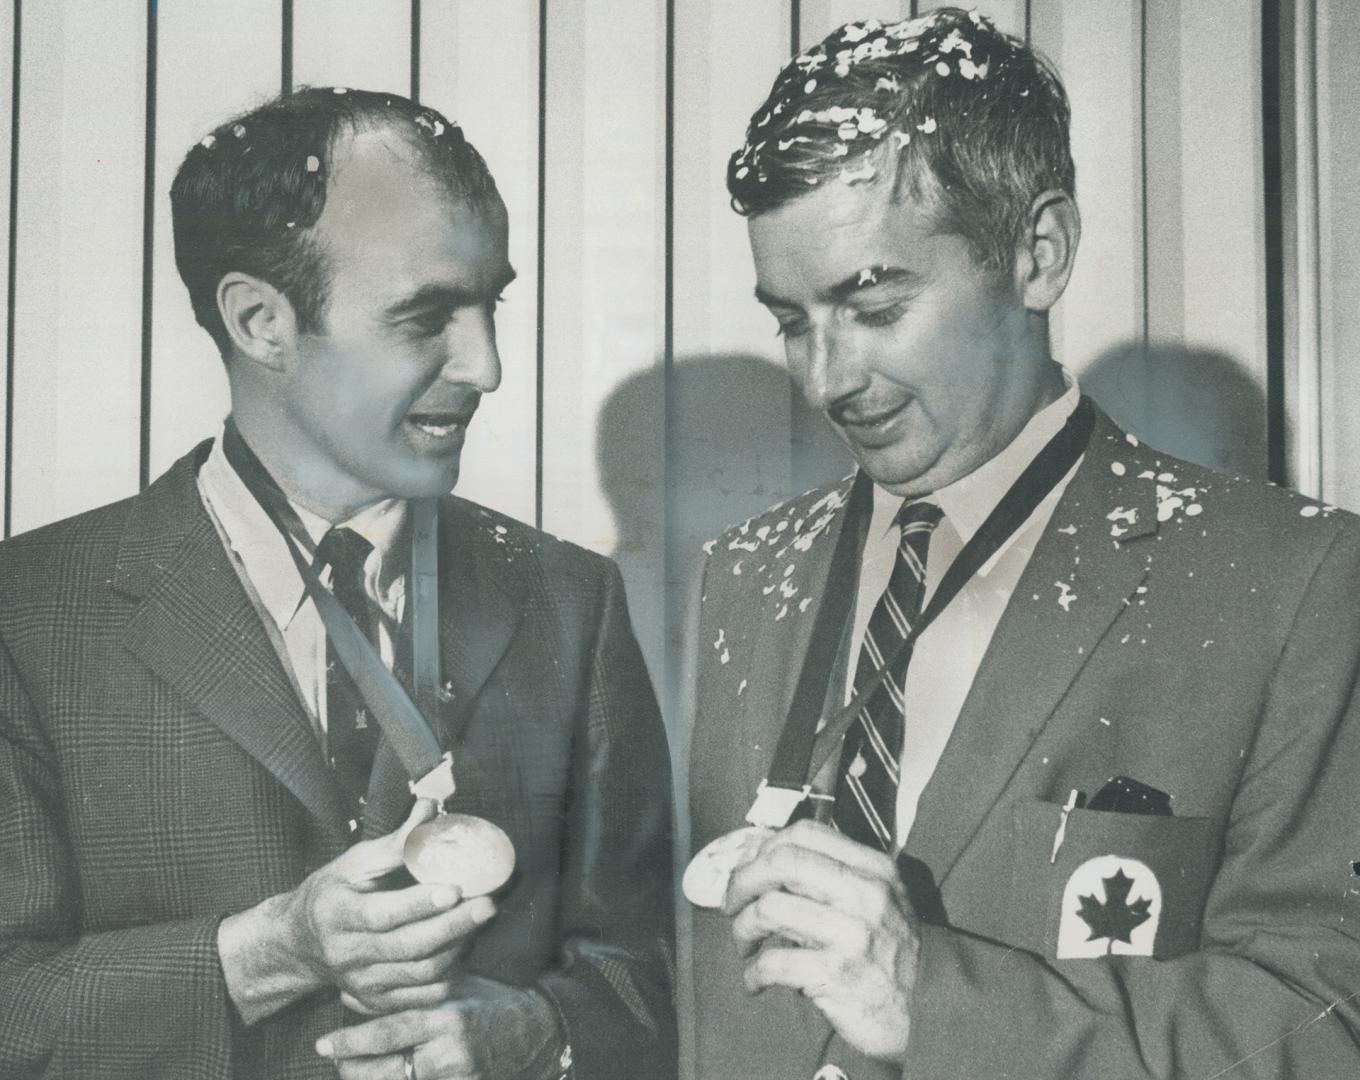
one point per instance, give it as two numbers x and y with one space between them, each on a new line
351 734
866 792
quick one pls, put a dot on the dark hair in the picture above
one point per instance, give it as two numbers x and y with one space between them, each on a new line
247 196
974 121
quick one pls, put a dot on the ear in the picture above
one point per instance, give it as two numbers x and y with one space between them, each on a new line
259 319
1048 249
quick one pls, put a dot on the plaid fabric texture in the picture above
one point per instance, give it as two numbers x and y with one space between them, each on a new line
157 773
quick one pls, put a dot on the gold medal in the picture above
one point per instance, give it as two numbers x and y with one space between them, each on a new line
467 852
706 877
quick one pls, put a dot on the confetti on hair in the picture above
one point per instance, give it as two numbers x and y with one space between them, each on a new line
970 70
239 130
431 124
208 142
339 90
954 40
825 74
868 276
313 163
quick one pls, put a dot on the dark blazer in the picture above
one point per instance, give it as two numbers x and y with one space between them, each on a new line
1211 650
157 773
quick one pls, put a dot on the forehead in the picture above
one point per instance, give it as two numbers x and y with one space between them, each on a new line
836 230
383 212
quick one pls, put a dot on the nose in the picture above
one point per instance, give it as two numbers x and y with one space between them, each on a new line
832 370
471 356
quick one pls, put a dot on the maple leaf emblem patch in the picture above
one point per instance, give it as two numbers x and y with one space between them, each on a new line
1115 918
1111 907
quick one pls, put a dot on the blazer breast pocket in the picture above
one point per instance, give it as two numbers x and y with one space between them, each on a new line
1119 885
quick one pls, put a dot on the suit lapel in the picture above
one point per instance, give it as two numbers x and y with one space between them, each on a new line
781 642
196 628
1039 645
481 603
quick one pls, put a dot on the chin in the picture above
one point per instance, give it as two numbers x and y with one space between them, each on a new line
889 470
422 481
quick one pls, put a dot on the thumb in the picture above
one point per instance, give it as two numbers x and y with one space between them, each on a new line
372 859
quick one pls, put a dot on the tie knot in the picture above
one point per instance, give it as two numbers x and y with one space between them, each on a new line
345 552
919 517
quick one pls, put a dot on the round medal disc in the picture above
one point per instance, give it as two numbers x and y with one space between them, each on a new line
461 850
706 877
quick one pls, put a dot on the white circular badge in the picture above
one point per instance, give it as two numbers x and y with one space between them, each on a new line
462 850
708 873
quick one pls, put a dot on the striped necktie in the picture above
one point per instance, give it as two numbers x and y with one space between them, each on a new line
866 793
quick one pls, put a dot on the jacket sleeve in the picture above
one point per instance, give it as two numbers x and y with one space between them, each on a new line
1274 987
142 1002
614 989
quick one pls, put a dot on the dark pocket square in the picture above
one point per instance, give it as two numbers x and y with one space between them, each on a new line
1124 795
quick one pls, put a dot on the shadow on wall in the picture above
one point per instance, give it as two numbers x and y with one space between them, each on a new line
740 441
1198 404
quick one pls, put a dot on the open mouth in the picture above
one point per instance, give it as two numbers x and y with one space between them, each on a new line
440 425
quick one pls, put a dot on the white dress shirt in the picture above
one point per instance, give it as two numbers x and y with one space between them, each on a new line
260 556
947 656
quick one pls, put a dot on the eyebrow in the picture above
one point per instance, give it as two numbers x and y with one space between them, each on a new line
449 295
856 282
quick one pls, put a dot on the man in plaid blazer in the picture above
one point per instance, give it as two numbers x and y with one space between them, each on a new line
182 894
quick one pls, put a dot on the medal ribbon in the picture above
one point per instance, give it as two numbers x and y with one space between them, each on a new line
803 750
402 720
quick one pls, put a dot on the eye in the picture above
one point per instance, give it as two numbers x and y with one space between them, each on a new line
884 316
429 323
791 326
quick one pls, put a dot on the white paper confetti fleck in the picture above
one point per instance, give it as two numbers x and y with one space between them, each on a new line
313 163
1117 467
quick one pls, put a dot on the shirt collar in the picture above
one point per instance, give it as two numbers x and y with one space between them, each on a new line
264 554
968 501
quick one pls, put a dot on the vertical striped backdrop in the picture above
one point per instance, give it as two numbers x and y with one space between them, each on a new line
1214 308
